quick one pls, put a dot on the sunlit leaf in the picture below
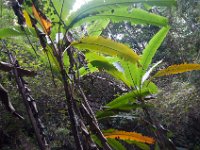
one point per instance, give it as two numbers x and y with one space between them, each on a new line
135 16
123 135
106 46
27 18
176 69
95 28
43 20
103 64
62 8
98 6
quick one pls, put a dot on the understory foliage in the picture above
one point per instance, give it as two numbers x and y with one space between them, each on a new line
70 43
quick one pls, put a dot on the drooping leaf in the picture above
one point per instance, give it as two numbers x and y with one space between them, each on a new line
152 47
124 103
132 136
105 114
120 107
16 31
103 64
98 6
127 98
43 20
135 16
176 69
106 46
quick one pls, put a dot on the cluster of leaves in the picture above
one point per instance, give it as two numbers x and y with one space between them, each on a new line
102 54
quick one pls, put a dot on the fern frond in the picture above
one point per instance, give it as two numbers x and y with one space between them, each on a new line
176 69
135 16
106 46
98 6
152 47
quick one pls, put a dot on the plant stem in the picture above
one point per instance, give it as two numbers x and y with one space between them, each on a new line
25 96
71 112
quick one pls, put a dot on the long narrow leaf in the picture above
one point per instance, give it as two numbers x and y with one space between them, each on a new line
106 46
123 135
176 69
135 16
116 145
131 72
127 98
97 6
16 31
152 47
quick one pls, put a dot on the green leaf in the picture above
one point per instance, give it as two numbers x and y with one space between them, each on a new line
123 103
131 72
176 69
152 47
98 6
116 145
103 64
105 114
62 8
16 31
83 71
142 146
135 16
95 28
150 87
147 7
106 46
96 140
126 99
